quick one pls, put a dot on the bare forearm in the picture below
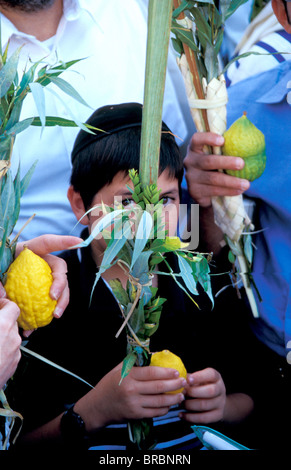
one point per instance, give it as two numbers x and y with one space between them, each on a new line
49 432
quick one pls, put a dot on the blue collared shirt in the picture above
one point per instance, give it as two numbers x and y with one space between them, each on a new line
267 100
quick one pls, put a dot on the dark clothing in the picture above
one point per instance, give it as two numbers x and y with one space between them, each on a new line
83 341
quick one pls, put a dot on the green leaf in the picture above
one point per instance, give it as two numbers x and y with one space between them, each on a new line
248 249
141 265
146 293
16 184
102 224
51 121
68 89
201 272
119 292
185 36
234 5
27 78
5 146
111 252
184 6
128 364
203 30
218 42
3 249
20 126
211 62
187 275
46 72
235 248
137 318
26 179
7 200
231 257
141 237
15 114
8 72
177 45
224 6
39 99
53 364
79 123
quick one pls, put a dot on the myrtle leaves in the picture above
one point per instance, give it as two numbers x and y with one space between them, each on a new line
138 243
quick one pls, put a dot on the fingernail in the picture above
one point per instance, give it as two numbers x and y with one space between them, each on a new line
190 380
27 333
2 291
239 163
55 294
219 140
58 312
181 397
244 185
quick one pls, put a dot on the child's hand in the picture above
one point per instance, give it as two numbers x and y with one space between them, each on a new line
205 397
140 395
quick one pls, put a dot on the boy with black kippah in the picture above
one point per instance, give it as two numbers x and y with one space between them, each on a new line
84 342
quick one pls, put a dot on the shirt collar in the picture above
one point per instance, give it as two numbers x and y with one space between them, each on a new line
73 8
72 11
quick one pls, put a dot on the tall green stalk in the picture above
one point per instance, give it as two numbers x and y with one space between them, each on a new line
159 27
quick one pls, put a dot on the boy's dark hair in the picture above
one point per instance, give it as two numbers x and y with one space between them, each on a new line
98 157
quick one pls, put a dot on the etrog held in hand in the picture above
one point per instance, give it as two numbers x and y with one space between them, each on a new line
28 284
243 139
166 358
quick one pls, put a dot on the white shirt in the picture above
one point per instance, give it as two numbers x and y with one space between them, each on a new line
110 36
264 36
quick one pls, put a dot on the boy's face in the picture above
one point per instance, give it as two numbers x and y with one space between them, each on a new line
117 192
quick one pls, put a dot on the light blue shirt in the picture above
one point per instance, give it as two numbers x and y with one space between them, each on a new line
267 100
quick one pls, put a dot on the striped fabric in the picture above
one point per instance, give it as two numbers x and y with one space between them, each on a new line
115 437
276 48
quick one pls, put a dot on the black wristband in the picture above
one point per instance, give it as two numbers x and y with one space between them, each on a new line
72 427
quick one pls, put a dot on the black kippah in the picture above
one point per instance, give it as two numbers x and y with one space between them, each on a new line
109 119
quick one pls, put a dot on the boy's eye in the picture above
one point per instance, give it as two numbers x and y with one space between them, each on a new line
127 202
166 200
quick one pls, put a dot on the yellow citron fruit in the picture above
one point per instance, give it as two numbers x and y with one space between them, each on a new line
243 139
28 283
174 243
166 358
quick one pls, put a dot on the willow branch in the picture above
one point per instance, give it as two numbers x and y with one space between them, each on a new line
192 64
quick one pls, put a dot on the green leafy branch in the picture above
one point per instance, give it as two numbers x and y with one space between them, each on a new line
134 244
13 91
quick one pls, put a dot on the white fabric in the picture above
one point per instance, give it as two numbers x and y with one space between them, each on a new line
234 29
110 36
265 28
263 24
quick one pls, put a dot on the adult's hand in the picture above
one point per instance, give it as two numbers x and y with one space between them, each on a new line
10 339
203 178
